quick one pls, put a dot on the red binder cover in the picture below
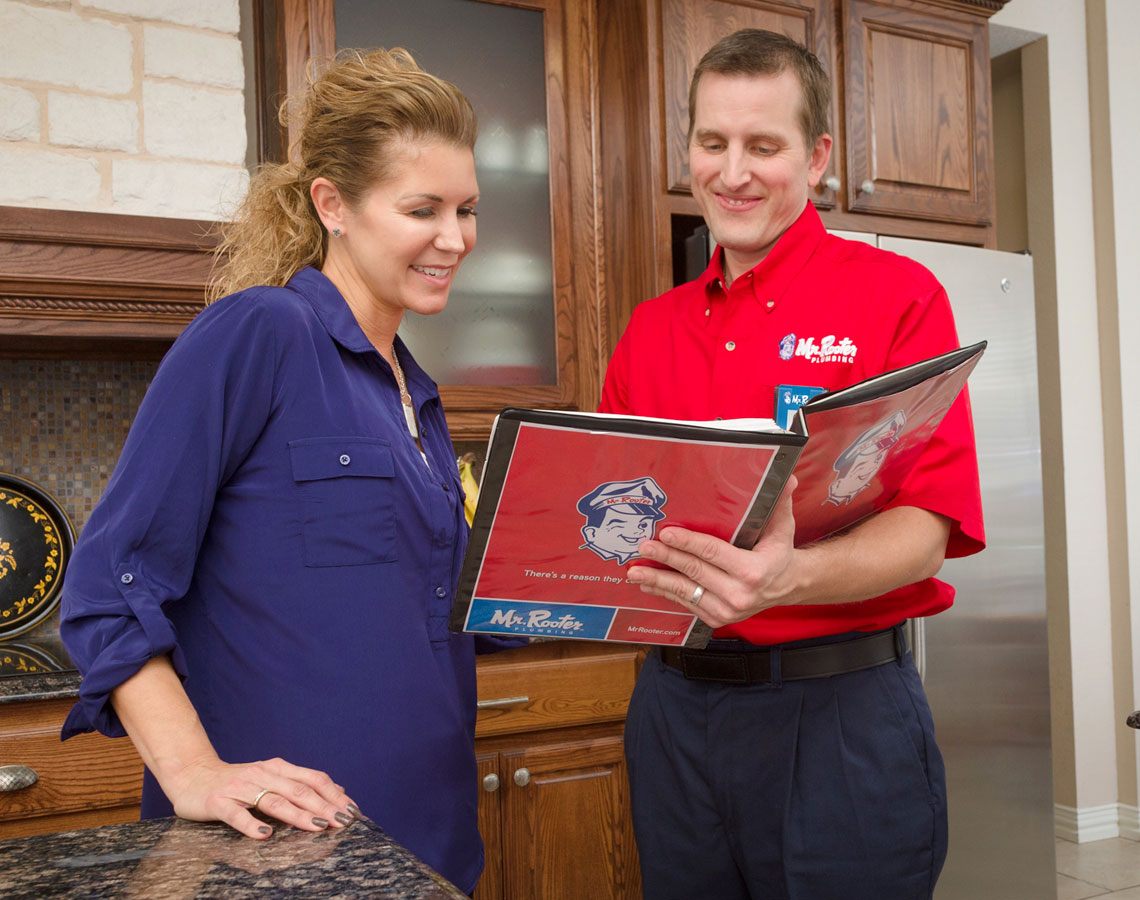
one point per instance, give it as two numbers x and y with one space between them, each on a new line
566 498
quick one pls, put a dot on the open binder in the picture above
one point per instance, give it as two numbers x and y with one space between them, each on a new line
566 497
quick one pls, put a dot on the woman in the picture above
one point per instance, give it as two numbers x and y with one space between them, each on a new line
260 599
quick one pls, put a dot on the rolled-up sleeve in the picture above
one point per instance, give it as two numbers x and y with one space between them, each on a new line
200 417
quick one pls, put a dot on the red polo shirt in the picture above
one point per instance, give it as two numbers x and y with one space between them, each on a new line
700 351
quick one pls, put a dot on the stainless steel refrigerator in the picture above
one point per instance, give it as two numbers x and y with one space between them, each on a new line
985 661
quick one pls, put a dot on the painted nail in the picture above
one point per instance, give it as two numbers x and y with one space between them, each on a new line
353 810
344 818
320 823
264 829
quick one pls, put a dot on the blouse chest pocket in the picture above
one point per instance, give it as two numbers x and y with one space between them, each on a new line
346 492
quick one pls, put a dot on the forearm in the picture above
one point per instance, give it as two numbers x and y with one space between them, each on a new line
161 721
893 548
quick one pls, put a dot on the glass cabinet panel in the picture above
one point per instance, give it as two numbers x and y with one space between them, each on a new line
499 325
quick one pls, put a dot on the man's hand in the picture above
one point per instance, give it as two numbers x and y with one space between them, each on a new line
892 548
737 583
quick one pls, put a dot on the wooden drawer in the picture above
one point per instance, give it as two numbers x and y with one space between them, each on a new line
89 772
554 685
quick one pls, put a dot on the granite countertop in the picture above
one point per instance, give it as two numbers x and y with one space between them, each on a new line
172 859
35 666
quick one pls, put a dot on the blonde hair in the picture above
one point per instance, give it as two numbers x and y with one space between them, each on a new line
350 118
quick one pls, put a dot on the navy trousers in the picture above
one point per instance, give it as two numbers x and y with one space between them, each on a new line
806 790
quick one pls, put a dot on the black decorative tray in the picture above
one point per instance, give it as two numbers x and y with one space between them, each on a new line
36 538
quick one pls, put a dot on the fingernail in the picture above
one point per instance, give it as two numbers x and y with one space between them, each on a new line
321 823
264 829
354 811
343 818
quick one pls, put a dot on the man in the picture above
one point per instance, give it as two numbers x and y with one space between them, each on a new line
794 759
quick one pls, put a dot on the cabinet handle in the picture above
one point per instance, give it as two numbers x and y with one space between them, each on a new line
491 783
832 183
16 778
522 777
867 187
501 702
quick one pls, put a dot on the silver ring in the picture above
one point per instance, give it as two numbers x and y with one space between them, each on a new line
698 592
260 794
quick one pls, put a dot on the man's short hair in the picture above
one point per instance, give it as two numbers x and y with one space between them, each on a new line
752 51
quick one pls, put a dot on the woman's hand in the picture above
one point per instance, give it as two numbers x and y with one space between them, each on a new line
208 790
162 722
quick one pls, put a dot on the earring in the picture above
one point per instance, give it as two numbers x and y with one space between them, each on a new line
337 232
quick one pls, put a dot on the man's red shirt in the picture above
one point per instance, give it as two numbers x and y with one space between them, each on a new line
700 351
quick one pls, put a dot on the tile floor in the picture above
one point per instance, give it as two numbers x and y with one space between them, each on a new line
1108 869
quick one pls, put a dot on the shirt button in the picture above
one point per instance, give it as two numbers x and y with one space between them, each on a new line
730 346
708 312
345 459
440 592
446 487
126 578
771 303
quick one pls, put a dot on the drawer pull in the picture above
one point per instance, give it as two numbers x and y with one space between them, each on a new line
522 777
501 702
16 778
491 783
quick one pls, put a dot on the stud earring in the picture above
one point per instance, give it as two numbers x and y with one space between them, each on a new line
337 232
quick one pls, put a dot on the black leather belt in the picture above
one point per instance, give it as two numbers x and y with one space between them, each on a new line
795 663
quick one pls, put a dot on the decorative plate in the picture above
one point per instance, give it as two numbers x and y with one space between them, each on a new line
27 659
36 538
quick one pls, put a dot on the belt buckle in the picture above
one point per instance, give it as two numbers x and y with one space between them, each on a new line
730 668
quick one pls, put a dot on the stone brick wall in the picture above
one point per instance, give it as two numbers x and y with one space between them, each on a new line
122 106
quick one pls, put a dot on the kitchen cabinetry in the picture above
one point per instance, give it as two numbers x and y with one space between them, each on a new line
554 802
89 780
910 117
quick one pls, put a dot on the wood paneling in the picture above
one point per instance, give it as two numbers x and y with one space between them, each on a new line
97 276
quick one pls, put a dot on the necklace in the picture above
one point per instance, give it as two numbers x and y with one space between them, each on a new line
405 397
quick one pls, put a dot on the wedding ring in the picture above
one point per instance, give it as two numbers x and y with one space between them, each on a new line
698 592
260 794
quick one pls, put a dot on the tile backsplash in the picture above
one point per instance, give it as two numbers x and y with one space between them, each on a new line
64 423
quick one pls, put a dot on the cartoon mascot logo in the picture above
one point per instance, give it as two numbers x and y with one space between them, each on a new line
619 516
857 465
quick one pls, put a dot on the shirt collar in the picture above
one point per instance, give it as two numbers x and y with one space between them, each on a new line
337 318
772 275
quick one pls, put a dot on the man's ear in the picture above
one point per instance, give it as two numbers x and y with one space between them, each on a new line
329 204
588 533
820 154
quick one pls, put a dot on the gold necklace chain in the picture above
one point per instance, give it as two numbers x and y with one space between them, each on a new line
401 382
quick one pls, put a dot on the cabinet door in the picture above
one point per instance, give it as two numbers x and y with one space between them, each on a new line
918 112
523 323
490 825
690 27
567 833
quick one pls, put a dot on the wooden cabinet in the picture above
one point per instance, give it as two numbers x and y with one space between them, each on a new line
917 99
554 801
289 33
87 781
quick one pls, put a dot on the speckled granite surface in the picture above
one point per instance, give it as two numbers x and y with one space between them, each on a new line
34 665
172 859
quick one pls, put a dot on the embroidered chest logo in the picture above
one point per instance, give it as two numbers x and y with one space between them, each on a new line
826 349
